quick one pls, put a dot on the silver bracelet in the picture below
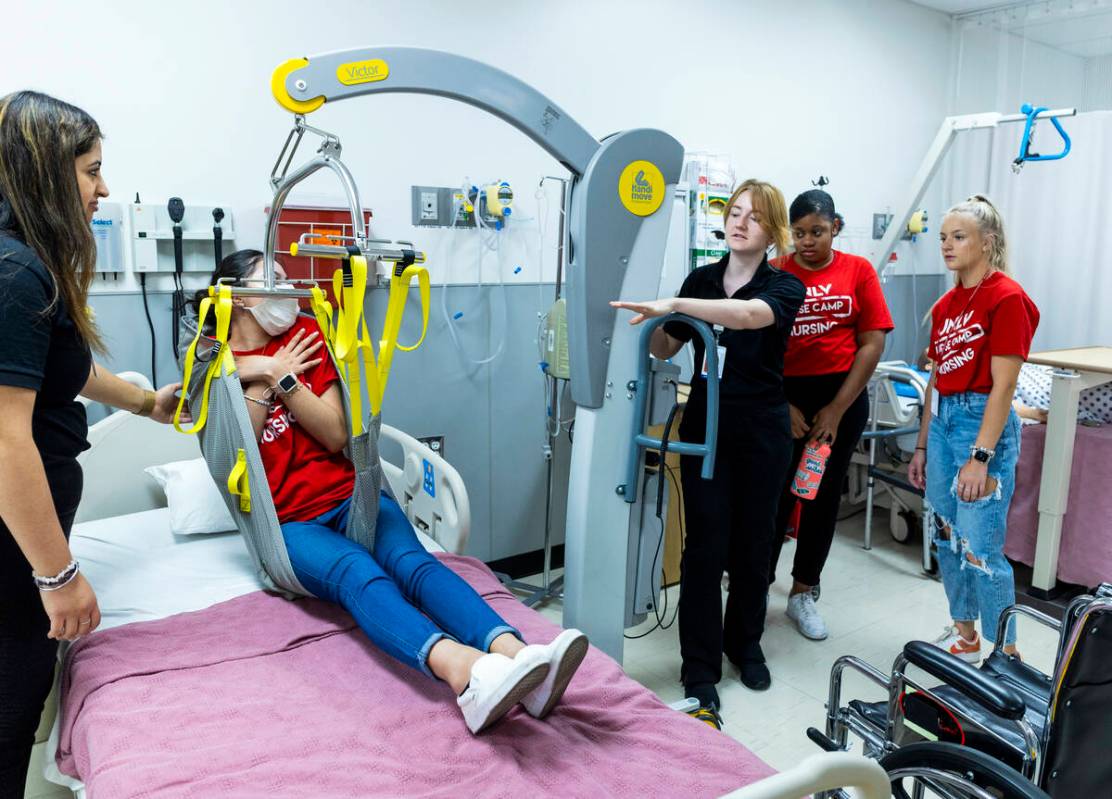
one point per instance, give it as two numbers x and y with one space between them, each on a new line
60 580
265 403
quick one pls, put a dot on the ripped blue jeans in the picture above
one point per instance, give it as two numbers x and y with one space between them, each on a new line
978 578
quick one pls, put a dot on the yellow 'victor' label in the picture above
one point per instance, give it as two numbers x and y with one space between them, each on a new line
356 72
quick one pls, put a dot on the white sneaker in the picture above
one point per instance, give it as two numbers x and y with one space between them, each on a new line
952 642
563 656
497 684
802 610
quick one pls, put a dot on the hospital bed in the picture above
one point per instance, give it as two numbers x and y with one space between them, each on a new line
172 695
897 396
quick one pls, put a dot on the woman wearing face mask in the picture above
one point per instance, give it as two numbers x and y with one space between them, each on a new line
836 343
968 446
409 604
731 519
50 183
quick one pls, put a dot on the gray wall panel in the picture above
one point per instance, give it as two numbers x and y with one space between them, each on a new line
911 335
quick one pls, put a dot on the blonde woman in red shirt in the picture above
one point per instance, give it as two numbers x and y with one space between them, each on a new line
968 444
835 344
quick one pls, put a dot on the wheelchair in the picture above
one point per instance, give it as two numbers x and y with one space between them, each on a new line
1051 729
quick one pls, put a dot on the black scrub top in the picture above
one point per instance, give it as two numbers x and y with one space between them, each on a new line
41 350
753 375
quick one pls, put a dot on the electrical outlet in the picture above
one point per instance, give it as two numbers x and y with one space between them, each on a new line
435 443
435 206
429 212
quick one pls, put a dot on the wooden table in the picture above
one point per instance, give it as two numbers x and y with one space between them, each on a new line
1074 371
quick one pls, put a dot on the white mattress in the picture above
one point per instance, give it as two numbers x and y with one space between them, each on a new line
141 571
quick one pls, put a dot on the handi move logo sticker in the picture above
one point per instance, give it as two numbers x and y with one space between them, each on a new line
641 188
356 72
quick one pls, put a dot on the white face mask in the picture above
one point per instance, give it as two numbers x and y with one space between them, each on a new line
276 315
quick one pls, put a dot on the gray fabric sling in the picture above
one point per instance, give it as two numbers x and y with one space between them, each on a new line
228 430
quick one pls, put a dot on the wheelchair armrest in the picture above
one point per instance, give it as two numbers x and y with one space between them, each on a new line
994 696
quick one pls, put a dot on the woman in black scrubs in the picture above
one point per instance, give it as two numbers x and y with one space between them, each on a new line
50 184
731 519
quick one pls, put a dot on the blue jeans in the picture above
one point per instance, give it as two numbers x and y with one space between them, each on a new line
977 529
403 598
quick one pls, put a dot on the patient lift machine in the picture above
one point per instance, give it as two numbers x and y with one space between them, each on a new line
617 229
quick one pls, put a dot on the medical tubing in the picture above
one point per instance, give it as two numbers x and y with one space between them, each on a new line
150 324
449 318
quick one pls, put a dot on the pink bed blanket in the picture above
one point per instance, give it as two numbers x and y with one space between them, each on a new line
259 696
1085 556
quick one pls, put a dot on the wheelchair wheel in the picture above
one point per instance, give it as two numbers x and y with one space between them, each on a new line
904 525
957 771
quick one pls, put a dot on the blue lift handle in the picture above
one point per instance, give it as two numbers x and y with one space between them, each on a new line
640 389
1025 153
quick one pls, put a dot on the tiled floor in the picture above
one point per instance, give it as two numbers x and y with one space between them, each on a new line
873 602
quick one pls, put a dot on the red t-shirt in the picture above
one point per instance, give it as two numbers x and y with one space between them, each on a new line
969 326
306 480
843 299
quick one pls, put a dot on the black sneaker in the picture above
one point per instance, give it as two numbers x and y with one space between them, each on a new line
707 715
705 692
755 675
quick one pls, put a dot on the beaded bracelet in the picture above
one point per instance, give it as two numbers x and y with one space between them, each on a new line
60 580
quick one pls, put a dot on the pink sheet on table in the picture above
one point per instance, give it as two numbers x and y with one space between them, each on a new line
259 696
1085 557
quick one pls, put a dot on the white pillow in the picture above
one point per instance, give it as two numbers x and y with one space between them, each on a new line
196 507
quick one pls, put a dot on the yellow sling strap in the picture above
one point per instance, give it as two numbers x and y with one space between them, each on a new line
395 308
221 355
238 485
322 310
352 342
347 334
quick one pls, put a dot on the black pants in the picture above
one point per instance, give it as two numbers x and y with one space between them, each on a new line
27 656
731 523
818 515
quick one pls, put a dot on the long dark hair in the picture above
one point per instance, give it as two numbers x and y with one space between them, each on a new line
40 202
238 266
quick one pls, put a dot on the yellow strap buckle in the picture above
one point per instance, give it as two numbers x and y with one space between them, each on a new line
238 484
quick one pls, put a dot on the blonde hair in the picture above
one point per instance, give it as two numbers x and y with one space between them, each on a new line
990 224
772 210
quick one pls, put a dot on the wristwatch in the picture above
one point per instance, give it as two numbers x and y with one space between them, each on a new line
287 383
980 454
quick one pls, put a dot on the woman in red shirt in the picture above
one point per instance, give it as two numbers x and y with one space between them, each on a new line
835 344
408 603
969 441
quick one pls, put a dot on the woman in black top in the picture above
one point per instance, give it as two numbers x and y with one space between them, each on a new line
731 518
50 184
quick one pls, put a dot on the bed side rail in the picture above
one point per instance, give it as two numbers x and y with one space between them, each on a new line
429 490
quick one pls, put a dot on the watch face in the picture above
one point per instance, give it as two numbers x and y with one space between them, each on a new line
287 383
981 456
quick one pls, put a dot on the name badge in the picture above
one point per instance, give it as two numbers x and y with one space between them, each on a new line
721 363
